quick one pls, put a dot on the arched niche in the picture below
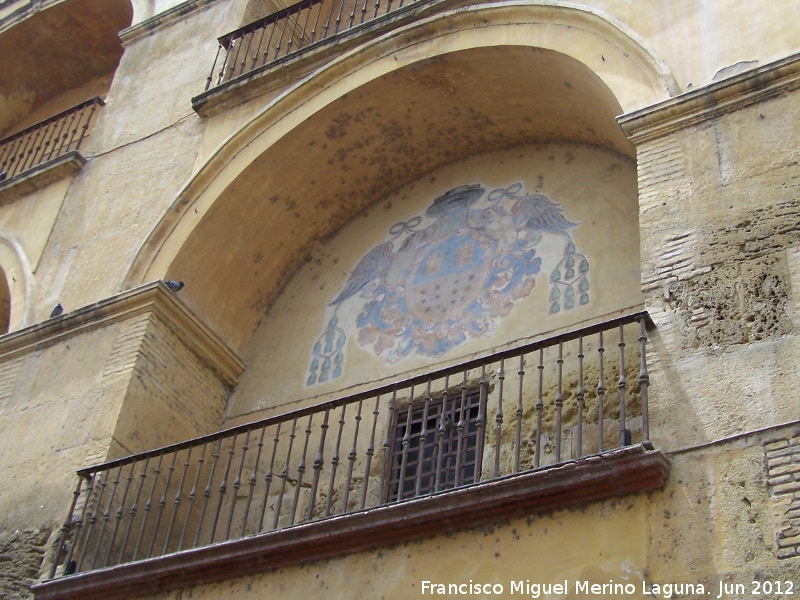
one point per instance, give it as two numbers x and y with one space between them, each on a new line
456 85
16 310
65 52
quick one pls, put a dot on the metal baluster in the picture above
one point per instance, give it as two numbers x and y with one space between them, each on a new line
214 66
24 153
176 502
74 130
258 48
498 419
370 453
601 393
268 476
237 483
335 459
285 474
301 469
30 160
238 42
221 76
69 522
479 425
207 491
106 517
134 507
93 518
622 385
294 24
339 16
305 25
265 57
388 7
87 123
406 445
352 15
559 401
120 513
253 480
223 488
316 22
377 8
328 21
387 466
644 380
243 66
518 414
461 428
579 395
423 440
539 409
147 507
193 495
17 153
437 482
364 11
318 463
280 40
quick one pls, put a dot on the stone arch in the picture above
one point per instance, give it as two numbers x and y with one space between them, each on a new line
616 73
18 275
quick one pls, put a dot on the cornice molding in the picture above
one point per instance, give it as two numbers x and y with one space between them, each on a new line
712 101
152 298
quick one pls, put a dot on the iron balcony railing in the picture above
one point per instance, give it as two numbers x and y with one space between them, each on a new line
515 411
292 30
47 140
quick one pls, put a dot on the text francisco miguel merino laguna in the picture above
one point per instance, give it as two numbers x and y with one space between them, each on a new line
537 590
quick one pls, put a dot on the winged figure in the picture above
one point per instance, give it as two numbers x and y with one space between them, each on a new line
537 211
375 264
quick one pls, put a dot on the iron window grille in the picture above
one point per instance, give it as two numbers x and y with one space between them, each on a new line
444 433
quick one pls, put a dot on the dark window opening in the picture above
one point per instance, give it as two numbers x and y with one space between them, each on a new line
439 447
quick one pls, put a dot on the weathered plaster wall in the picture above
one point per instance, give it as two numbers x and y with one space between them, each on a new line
719 219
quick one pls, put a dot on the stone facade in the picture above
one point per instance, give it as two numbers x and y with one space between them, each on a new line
549 166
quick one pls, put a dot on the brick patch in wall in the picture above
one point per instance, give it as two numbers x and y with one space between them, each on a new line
783 483
21 555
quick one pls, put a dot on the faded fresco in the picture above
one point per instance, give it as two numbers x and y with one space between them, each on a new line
450 274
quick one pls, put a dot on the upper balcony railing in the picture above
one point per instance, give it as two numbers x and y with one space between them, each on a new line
292 30
460 429
47 140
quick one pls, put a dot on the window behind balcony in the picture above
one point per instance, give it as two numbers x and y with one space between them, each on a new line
431 432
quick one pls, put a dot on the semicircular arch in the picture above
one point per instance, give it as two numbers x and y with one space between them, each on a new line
623 69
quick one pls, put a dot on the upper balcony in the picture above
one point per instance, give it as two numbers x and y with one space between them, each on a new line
244 54
46 151
544 426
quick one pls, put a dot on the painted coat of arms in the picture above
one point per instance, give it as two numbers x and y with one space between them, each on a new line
450 274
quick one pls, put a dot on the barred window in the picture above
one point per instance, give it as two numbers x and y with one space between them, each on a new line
439 447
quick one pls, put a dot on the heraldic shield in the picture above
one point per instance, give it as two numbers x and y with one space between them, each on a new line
450 275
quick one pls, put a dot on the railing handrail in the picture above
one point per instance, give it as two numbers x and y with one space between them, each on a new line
379 391
53 119
226 39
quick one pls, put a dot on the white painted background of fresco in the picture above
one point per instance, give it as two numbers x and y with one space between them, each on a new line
595 187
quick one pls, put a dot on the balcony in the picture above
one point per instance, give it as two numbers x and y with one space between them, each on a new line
42 153
544 426
298 29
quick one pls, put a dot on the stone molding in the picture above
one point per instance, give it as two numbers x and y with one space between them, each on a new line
150 298
40 176
712 101
595 478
